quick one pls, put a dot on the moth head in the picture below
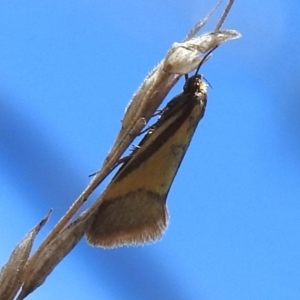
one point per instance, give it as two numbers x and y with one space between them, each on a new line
197 83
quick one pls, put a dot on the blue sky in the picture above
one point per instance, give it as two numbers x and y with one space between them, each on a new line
67 71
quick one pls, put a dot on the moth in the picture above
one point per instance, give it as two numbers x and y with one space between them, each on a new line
133 210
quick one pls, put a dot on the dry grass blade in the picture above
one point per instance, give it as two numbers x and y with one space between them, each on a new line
49 258
224 15
201 23
184 57
12 273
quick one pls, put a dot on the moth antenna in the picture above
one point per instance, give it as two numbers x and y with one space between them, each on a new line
204 58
